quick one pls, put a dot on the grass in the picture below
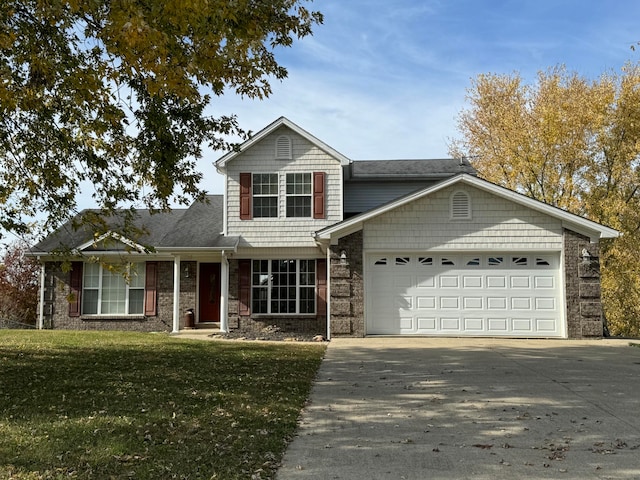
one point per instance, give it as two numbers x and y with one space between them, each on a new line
130 405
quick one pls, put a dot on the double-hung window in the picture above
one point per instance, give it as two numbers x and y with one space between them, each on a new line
298 194
265 195
109 293
283 286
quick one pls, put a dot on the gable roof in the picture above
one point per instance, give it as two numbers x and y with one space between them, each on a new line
198 226
576 223
413 169
282 121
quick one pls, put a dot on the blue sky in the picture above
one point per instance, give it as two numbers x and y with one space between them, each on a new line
385 79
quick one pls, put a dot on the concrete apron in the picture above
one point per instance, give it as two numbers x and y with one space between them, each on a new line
437 408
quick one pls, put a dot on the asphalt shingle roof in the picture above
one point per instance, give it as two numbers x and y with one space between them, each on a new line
391 169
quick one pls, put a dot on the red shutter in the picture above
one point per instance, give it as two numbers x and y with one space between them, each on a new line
245 196
321 276
318 195
150 289
244 286
75 285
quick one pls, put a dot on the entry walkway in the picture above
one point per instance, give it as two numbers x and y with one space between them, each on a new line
417 408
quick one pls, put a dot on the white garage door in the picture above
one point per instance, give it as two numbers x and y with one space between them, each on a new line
498 294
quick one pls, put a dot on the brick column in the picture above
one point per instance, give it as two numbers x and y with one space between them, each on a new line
347 287
582 276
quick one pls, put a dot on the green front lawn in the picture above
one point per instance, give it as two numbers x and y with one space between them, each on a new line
129 405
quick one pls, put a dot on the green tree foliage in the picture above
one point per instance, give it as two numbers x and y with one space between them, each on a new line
114 93
18 286
573 143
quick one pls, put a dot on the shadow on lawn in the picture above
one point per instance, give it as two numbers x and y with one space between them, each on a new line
99 405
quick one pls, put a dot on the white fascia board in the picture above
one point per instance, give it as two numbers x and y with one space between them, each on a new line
592 229
282 121
116 236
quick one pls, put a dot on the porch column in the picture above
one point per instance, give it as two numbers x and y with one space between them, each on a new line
224 293
40 325
328 337
176 294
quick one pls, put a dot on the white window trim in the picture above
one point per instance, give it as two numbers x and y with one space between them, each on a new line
298 286
453 209
99 289
310 194
277 195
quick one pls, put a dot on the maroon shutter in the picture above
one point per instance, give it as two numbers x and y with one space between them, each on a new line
245 196
244 286
318 195
150 289
75 285
321 297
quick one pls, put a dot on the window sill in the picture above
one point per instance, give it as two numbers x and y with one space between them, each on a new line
280 316
123 317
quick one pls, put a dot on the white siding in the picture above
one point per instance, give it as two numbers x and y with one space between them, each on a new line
495 223
282 231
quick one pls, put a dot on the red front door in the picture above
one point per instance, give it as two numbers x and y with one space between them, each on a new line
209 292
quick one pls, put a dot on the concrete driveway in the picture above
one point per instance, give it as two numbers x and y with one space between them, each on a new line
417 408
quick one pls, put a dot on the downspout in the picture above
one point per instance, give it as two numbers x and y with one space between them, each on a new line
224 293
40 325
176 294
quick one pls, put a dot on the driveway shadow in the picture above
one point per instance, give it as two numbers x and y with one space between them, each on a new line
421 408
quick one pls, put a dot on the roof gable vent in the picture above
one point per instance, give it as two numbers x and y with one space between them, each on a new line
283 148
460 206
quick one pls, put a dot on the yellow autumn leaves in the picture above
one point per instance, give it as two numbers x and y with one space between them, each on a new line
574 143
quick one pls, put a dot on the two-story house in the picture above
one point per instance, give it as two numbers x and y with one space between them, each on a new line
310 241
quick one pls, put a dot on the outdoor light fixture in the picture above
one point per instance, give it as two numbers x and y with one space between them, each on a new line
186 270
343 257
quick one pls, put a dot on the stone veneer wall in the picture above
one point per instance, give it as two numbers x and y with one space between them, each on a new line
258 324
582 287
56 306
347 287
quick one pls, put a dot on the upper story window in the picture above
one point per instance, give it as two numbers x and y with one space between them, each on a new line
460 206
283 148
108 293
265 195
298 194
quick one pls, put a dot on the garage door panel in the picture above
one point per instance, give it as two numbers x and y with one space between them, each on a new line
520 303
496 281
426 302
520 281
450 324
472 281
449 281
425 281
473 324
473 303
448 303
427 324
479 295
522 325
